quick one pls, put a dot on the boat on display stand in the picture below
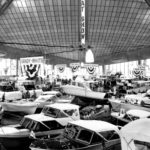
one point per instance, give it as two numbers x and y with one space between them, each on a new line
82 89
24 107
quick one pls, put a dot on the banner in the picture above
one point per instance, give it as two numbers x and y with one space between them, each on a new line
91 68
139 71
82 30
74 67
30 66
61 68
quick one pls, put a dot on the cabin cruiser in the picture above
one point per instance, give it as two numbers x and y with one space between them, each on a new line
82 89
123 118
84 134
50 122
28 106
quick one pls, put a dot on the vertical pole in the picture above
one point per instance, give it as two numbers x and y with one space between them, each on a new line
103 69
17 67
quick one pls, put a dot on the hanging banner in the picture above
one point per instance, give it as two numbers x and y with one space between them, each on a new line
31 66
61 68
91 68
74 67
82 30
139 71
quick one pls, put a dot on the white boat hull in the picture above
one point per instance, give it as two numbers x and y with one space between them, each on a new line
82 92
27 108
117 105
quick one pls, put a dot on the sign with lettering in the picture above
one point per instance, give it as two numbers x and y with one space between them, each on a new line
32 67
82 30
32 60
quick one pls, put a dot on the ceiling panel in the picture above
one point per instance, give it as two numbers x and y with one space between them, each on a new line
113 27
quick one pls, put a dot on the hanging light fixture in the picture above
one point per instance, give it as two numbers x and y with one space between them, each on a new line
89 56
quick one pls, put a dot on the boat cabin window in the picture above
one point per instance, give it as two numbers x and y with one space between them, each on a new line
97 139
30 87
28 123
71 131
110 135
25 122
51 112
53 125
70 112
80 85
6 88
45 109
130 117
142 145
41 127
73 83
85 136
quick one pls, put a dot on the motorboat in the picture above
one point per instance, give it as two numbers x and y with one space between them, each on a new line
8 92
28 106
118 104
50 122
84 135
136 135
82 89
20 106
63 112
43 100
122 118
98 112
56 93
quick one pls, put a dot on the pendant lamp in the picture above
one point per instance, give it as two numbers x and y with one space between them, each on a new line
89 56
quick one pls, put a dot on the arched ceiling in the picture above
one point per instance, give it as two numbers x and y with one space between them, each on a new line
118 30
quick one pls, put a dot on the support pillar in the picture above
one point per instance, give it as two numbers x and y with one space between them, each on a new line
103 69
17 67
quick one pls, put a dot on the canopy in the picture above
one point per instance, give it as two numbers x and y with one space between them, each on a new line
136 130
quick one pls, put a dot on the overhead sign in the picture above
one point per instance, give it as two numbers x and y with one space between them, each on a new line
32 67
32 60
90 65
74 64
82 30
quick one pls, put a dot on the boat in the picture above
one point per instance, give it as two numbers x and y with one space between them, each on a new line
122 118
50 122
83 135
43 100
56 93
118 104
8 92
98 112
82 89
136 135
19 106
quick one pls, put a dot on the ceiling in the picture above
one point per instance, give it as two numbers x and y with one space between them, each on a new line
118 30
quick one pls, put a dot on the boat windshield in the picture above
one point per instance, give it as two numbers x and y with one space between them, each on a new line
130 117
28 123
71 131
77 133
52 112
